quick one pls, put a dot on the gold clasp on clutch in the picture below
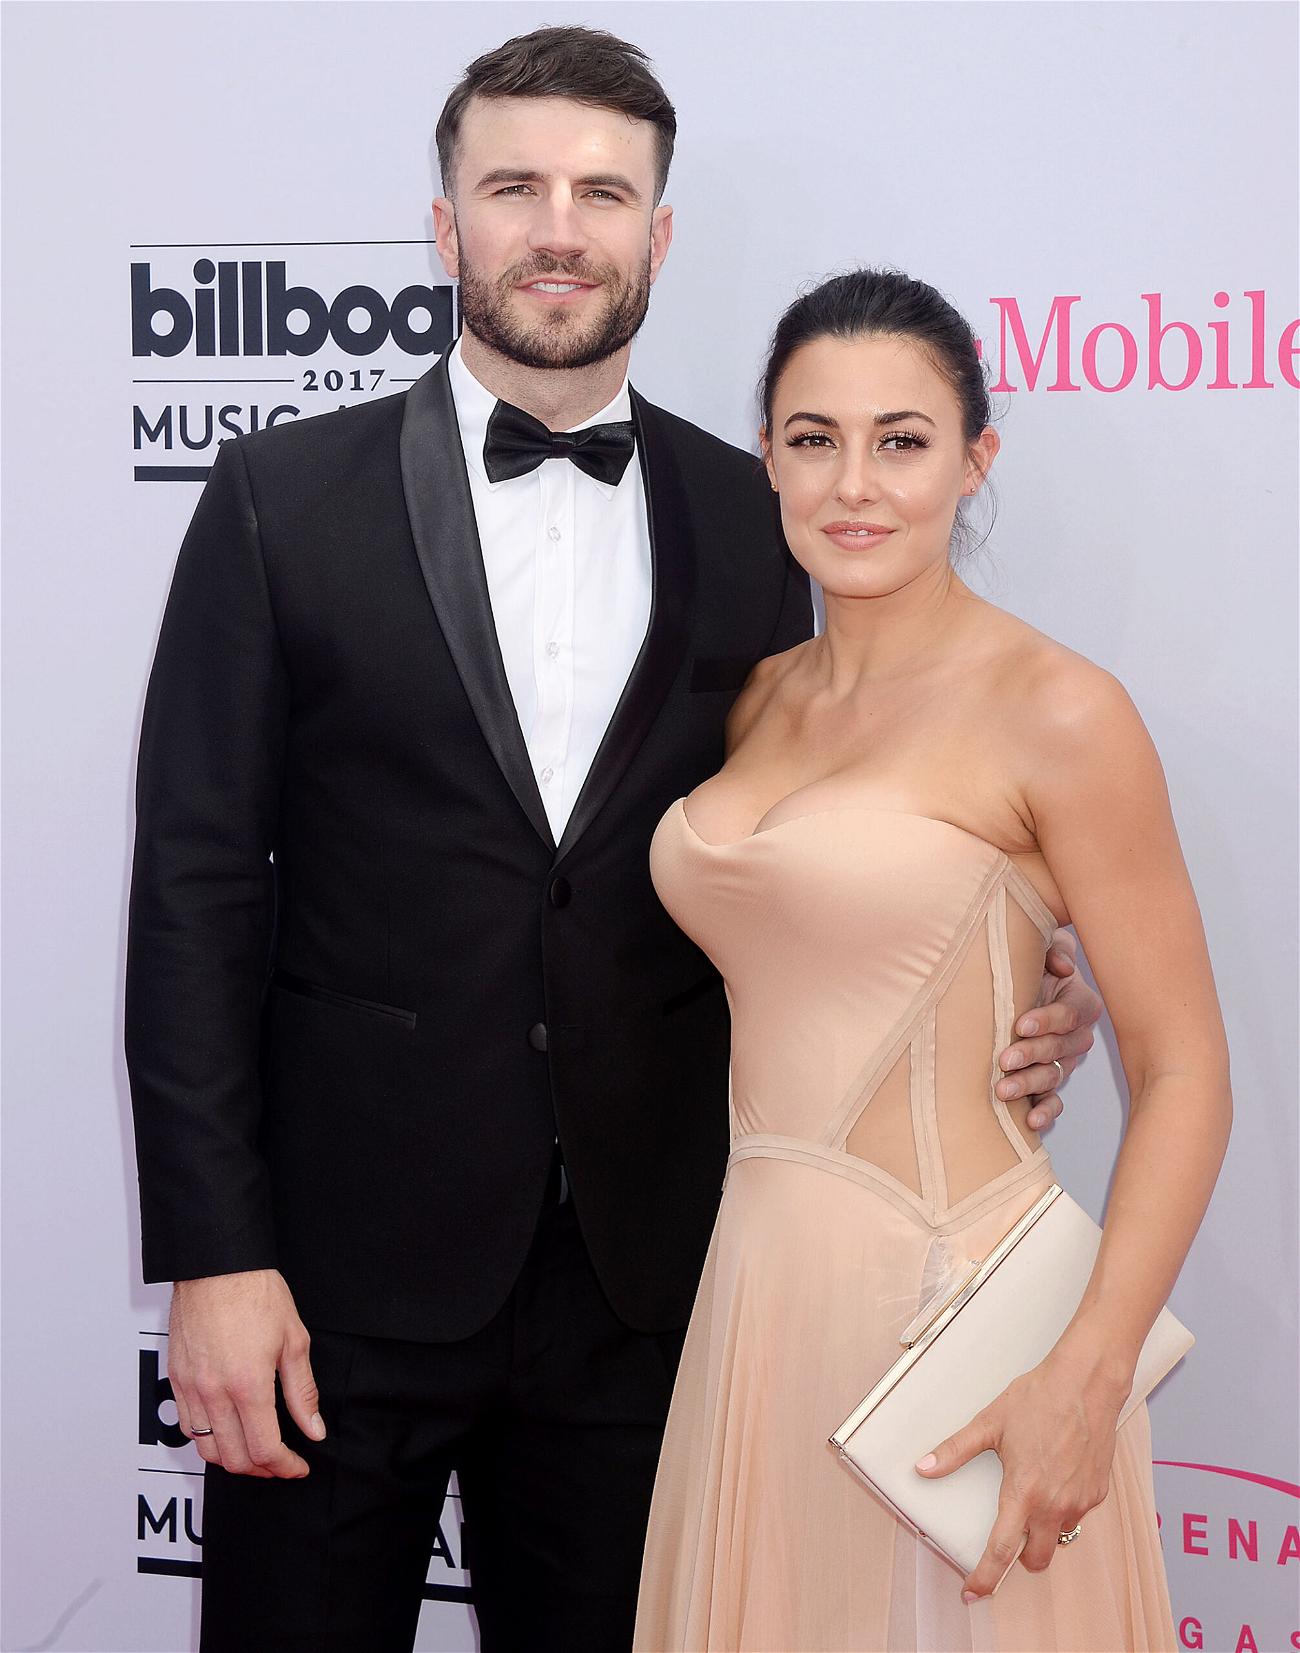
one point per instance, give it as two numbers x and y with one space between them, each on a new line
913 1333
934 1312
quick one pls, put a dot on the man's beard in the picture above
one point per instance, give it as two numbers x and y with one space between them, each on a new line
560 339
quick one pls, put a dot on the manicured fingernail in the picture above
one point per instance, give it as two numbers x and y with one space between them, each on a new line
1029 1026
1008 1090
928 1462
1014 1060
969 1596
317 1427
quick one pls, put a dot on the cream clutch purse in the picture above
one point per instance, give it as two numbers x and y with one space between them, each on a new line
961 1353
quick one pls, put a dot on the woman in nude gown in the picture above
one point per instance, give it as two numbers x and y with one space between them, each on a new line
910 803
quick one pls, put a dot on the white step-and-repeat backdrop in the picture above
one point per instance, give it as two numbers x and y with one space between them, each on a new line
215 218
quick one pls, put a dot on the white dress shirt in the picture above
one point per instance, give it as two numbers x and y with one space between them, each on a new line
569 576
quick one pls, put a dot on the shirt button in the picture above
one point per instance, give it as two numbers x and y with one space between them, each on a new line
552 649
547 775
553 532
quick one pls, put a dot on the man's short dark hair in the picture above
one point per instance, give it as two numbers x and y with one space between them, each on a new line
588 65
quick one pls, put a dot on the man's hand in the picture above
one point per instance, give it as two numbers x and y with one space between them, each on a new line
230 1334
1058 1029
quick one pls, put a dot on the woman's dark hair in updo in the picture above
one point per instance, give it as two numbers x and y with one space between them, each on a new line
884 301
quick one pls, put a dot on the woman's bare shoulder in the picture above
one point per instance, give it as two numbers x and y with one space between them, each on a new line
1056 693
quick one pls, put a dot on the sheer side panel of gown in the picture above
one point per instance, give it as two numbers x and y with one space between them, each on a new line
941 1152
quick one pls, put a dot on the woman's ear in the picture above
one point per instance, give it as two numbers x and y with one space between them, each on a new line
979 460
765 447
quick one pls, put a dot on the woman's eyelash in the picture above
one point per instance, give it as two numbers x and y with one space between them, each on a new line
819 438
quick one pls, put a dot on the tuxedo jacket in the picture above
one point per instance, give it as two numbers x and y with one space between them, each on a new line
366 990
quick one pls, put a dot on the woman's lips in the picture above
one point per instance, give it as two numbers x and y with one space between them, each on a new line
857 536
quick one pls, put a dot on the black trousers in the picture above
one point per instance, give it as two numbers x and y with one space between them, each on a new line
552 1418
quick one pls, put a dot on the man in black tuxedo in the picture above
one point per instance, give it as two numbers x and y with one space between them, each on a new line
418 1060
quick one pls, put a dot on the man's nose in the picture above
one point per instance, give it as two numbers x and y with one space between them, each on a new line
556 227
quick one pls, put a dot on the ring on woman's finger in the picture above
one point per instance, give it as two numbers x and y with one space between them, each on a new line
195 1433
1069 1537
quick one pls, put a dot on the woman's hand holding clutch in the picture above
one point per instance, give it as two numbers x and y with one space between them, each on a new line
1054 1430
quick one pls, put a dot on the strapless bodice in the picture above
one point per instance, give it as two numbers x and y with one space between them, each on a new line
871 957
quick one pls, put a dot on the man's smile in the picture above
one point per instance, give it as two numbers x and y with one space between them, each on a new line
556 291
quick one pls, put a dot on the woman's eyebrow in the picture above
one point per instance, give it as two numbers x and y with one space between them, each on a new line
880 419
903 413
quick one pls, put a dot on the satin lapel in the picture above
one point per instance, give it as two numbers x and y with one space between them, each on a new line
441 510
672 555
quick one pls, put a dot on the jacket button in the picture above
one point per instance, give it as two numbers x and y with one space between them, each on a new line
537 1036
561 892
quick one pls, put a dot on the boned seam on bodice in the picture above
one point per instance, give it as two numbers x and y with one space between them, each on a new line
864 1085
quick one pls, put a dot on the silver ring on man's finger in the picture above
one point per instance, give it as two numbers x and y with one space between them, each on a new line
1060 1072
197 1432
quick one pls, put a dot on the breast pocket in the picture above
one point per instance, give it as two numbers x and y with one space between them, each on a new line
304 989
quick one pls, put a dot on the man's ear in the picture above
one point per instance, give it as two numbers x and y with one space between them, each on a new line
661 238
444 235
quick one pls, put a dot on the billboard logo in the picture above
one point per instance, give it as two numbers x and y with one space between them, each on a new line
249 309
228 341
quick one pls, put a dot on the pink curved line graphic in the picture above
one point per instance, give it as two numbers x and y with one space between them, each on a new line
1237 1474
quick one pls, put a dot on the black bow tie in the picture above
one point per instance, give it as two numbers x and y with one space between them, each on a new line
517 443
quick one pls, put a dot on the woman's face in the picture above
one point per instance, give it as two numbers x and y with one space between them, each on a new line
867 452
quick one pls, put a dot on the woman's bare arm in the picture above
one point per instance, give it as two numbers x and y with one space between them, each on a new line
1096 795
1101 812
